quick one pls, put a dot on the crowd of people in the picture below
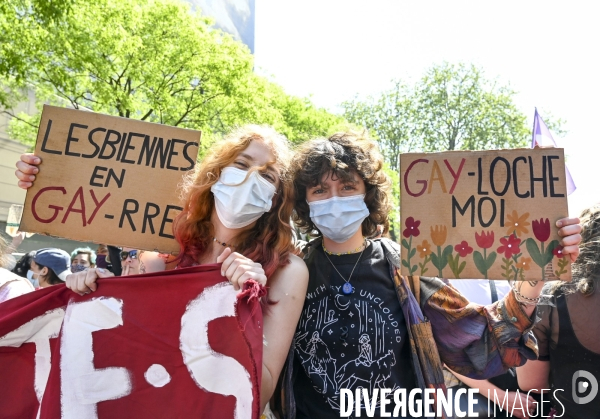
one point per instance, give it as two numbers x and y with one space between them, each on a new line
239 201
50 266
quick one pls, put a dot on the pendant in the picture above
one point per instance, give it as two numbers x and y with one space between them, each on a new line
347 288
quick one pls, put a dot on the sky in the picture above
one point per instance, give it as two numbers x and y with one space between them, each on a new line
334 50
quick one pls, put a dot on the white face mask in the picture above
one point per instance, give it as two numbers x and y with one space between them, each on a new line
35 282
240 202
339 218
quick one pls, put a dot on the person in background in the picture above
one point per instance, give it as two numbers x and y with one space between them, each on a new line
49 266
113 260
15 243
568 333
82 258
11 284
101 254
134 262
23 264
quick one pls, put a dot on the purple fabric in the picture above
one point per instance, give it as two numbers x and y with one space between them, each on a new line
542 137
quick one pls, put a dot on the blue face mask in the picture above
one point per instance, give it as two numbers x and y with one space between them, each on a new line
339 218
35 282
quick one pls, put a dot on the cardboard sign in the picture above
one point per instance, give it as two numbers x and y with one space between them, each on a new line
484 214
106 179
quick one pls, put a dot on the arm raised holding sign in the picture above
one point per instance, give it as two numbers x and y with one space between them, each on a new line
237 210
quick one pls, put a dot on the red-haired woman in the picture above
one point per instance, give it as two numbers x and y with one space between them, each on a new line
238 203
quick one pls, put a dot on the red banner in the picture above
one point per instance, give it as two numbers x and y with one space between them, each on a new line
175 344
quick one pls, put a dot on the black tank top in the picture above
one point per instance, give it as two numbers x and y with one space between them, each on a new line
566 359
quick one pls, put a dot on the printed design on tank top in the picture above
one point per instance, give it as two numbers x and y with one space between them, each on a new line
345 342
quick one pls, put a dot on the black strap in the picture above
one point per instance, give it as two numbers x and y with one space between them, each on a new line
493 290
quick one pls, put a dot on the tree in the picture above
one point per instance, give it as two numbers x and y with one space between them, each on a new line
452 107
153 60
394 215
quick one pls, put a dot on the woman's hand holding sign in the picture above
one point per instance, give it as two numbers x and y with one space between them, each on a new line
27 169
570 233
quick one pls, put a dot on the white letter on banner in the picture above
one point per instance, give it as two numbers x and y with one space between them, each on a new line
212 371
81 385
39 331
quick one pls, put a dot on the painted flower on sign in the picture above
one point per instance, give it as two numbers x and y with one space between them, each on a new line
424 249
523 263
558 251
412 228
438 235
509 246
485 240
516 224
541 229
463 249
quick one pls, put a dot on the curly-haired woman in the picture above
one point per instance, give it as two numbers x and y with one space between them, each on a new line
568 334
238 203
361 325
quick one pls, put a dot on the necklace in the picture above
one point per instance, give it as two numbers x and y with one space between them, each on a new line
222 243
364 243
347 288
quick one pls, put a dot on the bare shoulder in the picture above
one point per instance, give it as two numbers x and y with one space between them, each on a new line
290 280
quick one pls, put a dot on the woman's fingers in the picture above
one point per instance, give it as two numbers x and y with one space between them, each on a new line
230 262
222 258
571 251
26 172
89 281
236 268
26 168
85 282
239 269
30 158
570 230
259 277
567 221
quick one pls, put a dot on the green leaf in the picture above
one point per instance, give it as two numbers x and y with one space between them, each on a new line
534 252
412 252
450 260
479 262
548 255
445 253
436 262
405 263
462 267
491 259
405 244
414 269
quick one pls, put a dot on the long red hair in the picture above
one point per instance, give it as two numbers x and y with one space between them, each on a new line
270 241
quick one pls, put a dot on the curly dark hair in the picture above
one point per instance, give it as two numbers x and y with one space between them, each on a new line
586 269
342 155
23 264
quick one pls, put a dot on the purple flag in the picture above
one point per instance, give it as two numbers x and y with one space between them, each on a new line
541 137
